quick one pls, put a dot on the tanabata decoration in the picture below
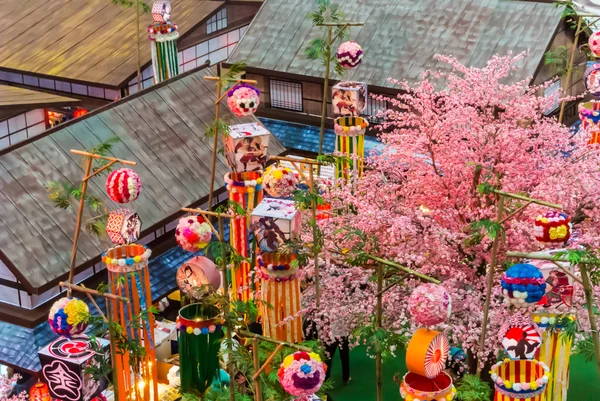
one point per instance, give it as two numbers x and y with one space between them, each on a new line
276 266
163 43
302 374
419 388
349 98
520 337
350 142
123 226
200 335
279 182
198 276
161 11
40 392
126 258
193 233
594 43
559 287
350 126
349 54
243 99
275 222
591 79
589 114
522 379
323 211
246 147
430 304
69 317
523 285
552 227
123 185
427 352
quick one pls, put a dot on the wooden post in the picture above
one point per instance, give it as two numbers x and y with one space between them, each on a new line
257 385
570 68
490 284
379 316
325 91
313 207
137 35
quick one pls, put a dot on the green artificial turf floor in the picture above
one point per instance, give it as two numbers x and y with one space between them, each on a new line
584 381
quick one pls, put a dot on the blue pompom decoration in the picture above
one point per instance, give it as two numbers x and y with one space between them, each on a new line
523 285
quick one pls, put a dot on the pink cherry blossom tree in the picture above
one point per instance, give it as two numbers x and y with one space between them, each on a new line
427 201
6 388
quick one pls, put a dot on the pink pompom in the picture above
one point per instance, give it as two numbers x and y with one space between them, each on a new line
430 304
123 185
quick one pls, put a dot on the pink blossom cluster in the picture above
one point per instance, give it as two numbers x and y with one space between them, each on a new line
6 387
429 304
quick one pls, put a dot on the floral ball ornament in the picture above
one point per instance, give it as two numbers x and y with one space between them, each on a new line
68 317
349 54
123 185
594 43
302 374
279 182
430 304
193 233
523 285
552 227
243 99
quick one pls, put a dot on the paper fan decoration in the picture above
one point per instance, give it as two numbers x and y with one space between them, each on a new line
279 182
243 99
594 43
523 285
302 374
193 233
195 273
123 185
430 304
427 353
68 317
520 337
349 54
552 227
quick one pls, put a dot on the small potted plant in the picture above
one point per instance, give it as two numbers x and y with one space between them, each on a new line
472 388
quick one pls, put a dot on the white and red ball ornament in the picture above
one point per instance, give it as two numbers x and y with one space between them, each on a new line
123 185
552 227
243 99
193 233
594 43
69 317
349 54
430 304
279 182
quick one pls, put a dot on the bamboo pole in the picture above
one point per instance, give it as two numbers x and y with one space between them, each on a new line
137 35
545 256
268 361
313 221
256 360
404 269
86 290
215 144
379 318
327 56
526 199
297 160
245 333
570 68
490 284
96 156
589 299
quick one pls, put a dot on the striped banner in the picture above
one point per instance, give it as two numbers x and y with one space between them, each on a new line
350 146
283 300
164 60
556 353
519 371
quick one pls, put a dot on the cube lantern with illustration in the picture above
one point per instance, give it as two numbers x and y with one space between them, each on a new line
275 222
246 147
349 98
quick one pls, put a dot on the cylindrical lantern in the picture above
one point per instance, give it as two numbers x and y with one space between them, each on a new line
350 142
123 185
123 226
279 182
68 317
198 276
552 227
415 387
430 304
163 37
591 79
200 334
39 392
523 285
349 54
126 258
427 352
520 380
243 99
520 337
161 11
594 43
193 233
302 373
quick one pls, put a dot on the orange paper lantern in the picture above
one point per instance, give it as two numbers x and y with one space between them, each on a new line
40 392
427 353
80 112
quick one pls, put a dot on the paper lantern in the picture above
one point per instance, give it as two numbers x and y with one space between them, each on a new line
196 273
591 79
161 11
415 387
594 43
123 226
427 352
302 373
80 112
349 98
520 337
123 185
243 99
349 54
275 222
68 317
350 126
323 211
279 182
552 227
430 304
246 147
523 379
126 258
523 285
39 392
193 233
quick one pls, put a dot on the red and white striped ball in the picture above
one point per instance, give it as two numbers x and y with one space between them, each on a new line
594 43
123 185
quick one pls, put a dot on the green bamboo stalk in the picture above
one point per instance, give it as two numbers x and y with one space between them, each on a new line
403 268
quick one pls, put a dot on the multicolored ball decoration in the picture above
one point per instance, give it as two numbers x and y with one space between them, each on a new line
591 79
243 99
430 304
302 374
523 285
552 227
279 182
594 43
193 233
69 317
123 185
349 54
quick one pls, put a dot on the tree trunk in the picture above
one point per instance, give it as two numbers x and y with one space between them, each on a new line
589 299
